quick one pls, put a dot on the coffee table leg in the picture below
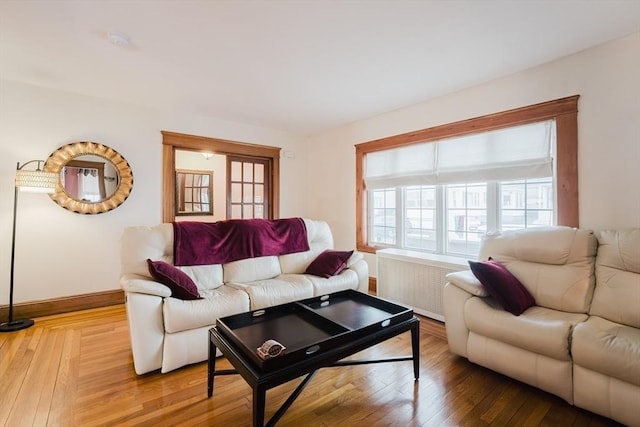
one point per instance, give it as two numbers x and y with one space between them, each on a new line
211 368
415 348
259 394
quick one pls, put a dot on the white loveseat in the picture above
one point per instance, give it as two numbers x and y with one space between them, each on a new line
581 339
167 333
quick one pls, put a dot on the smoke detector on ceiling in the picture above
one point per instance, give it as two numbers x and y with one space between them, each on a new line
118 39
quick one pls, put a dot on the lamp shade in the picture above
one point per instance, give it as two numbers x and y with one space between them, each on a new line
36 181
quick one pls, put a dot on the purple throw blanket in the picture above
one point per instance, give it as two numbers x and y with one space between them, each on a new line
201 243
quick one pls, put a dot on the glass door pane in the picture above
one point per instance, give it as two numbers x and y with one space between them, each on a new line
248 187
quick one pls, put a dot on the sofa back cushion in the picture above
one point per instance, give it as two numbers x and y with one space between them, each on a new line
555 264
320 239
205 276
251 269
139 243
617 293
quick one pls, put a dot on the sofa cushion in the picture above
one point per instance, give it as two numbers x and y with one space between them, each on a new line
250 270
182 315
205 276
617 293
279 290
503 286
562 279
348 279
329 263
608 348
181 285
539 329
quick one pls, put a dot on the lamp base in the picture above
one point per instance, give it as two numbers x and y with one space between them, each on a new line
16 325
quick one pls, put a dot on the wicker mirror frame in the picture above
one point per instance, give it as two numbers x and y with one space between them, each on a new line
59 159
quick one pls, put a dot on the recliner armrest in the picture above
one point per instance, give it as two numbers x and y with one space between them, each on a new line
143 285
355 257
358 265
466 281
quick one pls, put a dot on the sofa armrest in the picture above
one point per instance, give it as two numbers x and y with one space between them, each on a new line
460 287
146 327
355 257
466 281
143 285
357 264
454 300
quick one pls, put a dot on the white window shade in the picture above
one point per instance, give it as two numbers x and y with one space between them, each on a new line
512 153
410 165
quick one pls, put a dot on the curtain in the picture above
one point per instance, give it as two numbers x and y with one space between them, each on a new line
88 187
71 181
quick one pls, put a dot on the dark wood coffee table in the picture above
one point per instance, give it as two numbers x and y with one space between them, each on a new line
317 332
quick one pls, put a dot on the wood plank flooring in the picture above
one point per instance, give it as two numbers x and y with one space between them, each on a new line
75 369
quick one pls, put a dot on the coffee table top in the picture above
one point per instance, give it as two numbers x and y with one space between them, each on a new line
309 327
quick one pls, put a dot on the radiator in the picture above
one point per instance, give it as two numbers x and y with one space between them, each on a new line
415 279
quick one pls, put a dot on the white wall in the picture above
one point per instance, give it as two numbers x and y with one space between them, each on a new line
60 253
605 77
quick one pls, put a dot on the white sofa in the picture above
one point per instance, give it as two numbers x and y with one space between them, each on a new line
581 339
167 333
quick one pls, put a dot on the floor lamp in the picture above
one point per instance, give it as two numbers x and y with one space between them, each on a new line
35 181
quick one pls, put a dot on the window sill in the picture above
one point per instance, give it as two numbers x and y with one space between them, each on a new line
423 257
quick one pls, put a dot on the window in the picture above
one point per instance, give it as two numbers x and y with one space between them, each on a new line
420 218
466 217
383 216
194 192
84 180
527 203
457 213
440 189
451 219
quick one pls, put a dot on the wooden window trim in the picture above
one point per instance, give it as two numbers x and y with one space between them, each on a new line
181 193
564 111
172 141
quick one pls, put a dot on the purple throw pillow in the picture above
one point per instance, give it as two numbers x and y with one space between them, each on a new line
329 263
503 286
181 285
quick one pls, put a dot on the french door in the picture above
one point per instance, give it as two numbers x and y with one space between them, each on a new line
248 187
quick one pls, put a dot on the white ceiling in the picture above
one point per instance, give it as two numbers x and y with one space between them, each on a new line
302 66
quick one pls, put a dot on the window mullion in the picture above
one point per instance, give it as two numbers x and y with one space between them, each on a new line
400 215
441 224
493 207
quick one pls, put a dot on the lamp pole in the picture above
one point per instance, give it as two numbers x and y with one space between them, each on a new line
16 325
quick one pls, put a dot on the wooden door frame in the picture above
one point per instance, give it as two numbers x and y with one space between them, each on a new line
172 141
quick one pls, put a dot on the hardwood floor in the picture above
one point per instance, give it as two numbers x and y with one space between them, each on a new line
75 369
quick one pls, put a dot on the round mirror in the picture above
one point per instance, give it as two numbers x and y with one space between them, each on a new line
94 178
